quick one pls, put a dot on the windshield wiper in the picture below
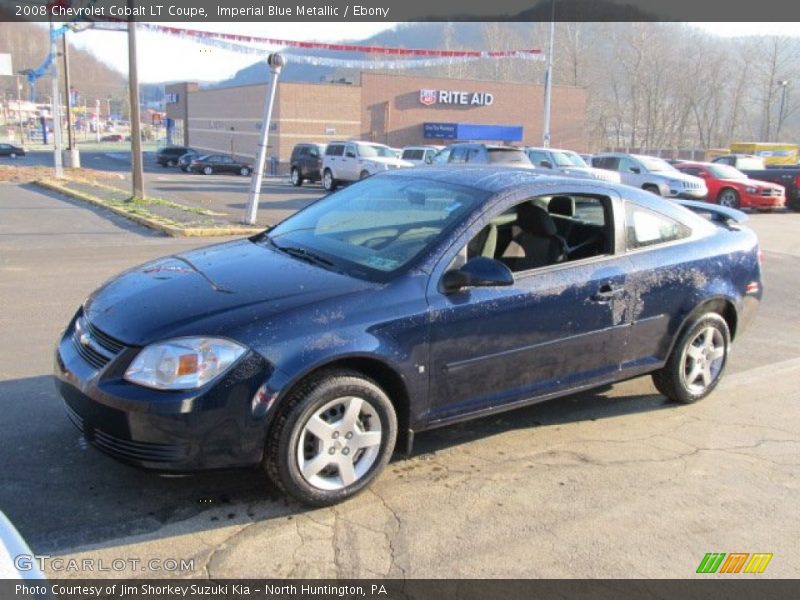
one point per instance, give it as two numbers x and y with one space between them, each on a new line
308 256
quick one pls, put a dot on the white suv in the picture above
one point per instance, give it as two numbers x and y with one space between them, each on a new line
652 174
351 161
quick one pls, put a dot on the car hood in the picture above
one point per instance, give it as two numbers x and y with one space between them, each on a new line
591 172
383 160
678 176
211 291
756 183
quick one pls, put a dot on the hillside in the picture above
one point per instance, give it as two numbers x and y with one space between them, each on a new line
29 44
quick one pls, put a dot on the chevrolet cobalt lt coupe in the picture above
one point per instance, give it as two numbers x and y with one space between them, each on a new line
407 301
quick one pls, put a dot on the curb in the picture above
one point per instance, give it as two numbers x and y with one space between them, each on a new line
164 228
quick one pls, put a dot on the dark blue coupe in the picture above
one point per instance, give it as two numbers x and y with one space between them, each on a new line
407 301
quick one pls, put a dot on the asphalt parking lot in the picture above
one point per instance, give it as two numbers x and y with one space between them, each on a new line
614 483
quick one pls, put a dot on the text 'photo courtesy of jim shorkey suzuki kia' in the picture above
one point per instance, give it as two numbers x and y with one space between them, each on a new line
411 299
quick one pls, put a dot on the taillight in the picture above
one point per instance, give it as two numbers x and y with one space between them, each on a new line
797 181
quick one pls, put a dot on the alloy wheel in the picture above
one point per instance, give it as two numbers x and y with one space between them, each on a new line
339 443
703 359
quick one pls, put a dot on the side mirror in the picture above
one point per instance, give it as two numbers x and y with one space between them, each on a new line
636 170
477 272
546 164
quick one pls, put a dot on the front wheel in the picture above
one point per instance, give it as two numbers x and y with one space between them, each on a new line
729 198
363 175
244 171
697 361
13 155
207 170
171 163
652 189
331 439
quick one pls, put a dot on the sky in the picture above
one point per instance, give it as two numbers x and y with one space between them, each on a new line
163 58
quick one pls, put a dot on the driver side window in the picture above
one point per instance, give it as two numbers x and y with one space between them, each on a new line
544 231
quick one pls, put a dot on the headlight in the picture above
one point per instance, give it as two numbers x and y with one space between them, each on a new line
183 363
673 183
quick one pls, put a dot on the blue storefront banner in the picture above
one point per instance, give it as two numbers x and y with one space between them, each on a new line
473 131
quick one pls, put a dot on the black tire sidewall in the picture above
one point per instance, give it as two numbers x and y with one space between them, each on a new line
676 389
296 179
325 389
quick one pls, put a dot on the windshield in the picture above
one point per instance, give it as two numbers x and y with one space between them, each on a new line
371 151
726 172
507 156
568 159
377 226
750 163
655 164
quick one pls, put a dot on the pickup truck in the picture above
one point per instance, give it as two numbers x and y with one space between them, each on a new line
754 168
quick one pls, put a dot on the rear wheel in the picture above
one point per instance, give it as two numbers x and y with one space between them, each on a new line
328 182
13 155
171 163
697 362
297 181
728 197
244 171
331 439
207 170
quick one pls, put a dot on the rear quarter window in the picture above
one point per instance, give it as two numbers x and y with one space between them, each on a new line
645 227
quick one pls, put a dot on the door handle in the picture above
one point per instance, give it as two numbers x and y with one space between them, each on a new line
607 293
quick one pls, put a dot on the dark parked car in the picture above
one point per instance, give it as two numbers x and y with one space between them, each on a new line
305 163
11 151
410 300
168 157
112 137
219 163
186 159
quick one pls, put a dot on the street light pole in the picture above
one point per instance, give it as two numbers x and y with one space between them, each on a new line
548 81
19 112
275 62
56 110
137 175
784 83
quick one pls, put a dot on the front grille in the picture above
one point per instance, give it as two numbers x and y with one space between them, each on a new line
691 185
769 193
139 451
94 346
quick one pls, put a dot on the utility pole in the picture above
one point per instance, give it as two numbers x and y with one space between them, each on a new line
784 85
19 112
56 110
74 156
136 137
275 62
548 79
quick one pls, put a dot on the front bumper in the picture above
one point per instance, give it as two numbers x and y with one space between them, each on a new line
686 194
181 431
758 201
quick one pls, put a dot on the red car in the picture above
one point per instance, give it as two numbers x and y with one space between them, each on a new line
728 186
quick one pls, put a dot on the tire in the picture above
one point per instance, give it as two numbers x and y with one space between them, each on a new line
13 155
685 380
729 198
651 188
305 464
171 163
185 169
363 175
244 171
328 182
207 170
297 181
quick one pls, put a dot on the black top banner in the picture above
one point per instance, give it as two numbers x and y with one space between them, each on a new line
232 11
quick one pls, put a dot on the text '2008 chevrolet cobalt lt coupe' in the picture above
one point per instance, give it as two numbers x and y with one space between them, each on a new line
407 301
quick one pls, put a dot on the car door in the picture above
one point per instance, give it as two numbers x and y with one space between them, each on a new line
349 165
556 328
631 172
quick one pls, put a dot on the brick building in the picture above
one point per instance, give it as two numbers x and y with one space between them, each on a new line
397 110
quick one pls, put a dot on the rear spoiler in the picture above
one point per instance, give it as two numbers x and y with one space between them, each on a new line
729 216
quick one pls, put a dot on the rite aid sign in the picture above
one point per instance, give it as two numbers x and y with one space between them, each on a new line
431 97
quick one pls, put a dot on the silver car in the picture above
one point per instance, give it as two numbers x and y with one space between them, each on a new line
567 162
652 174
